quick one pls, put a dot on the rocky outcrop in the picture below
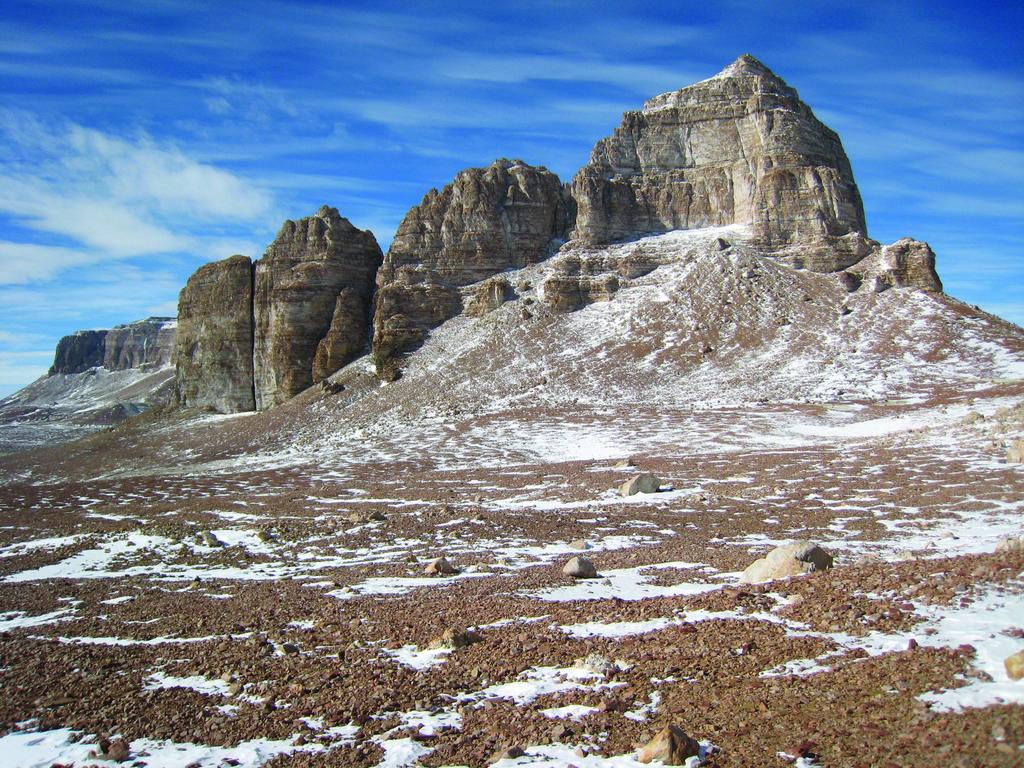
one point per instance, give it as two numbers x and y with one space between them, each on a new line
78 352
148 342
738 148
313 289
215 338
906 263
504 216
488 296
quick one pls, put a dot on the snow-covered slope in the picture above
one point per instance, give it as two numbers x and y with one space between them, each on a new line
64 407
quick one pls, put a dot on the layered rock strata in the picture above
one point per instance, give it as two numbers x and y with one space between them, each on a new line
738 148
214 343
148 342
504 216
313 289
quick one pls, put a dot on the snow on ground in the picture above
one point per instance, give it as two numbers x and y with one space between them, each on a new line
42 749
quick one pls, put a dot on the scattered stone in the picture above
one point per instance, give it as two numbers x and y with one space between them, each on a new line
642 483
788 560
1015 665
580 568
624 464
579 544
671 746
265 535
440 567
290 648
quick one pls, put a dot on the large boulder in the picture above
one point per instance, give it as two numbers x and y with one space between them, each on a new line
670 746
645 482
737 148
215 338
311 303
789 560
487 220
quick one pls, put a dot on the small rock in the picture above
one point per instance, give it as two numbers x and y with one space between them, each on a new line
580 568
671 746
642 483
290 648
117 750
579 544
455 638
1015 665
265 535
789 560
595 663
1015 453
209 539
624 464
440 567
511 753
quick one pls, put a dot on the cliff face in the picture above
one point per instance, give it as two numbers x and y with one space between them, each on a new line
145 343
148 342
738 148
78 352
299 313
215 337
487 220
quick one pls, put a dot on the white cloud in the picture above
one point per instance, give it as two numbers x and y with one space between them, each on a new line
114 196
22 263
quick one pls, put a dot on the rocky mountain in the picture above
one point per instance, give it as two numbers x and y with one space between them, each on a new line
738 148
674 466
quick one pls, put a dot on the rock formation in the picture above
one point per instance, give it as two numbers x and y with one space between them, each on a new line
313 287
148 342
78 352
145 343
215 337
487 220
738 148
906 263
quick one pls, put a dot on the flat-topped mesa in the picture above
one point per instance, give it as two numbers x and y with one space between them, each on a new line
215 338
485 221
737 148
311 303
145 344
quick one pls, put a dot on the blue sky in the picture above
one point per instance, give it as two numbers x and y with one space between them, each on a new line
140 140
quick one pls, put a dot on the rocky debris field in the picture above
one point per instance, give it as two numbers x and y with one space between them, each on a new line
301 614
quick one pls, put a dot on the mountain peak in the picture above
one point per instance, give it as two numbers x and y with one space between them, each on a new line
746 66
